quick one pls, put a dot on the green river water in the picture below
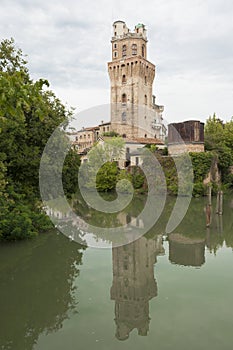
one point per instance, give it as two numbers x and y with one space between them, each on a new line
159 292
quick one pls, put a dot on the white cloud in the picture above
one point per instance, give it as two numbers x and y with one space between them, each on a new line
190 41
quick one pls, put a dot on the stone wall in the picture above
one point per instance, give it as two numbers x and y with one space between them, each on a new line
179 148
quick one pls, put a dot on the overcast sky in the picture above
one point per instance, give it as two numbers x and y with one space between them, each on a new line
68 43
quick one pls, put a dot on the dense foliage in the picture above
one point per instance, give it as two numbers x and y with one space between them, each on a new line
101 170
29 113
201 163
219 139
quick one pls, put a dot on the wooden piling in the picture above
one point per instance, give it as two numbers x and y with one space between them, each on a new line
217 203
220 203
209 195
208 215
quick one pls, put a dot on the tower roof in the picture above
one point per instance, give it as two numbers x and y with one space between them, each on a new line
139 25
118 21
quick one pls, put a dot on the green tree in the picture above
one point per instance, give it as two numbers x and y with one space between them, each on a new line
219 139
124 182
101 169
106 177
29 113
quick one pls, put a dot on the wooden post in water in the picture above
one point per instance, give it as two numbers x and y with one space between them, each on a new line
208 215
220 202
219 206
209 195
217 203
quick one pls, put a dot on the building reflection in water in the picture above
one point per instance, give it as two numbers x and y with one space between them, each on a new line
186 251
134 284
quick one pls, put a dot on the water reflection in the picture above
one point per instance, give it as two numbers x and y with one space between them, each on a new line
37 277
36 288
186 251
134 284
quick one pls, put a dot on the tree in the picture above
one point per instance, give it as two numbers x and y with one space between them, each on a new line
219 139
110 150
101 169
106 177
29 113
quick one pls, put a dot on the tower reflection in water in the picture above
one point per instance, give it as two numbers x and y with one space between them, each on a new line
134 284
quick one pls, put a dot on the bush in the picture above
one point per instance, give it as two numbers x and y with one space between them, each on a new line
124 182
198 189
19 221
107 177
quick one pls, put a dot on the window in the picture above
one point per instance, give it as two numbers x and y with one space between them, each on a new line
137 161
88 135
123 116
115 33
123 78
134 49
145 80
115 46
145 136
123 98
115 54
145 99
143 50
124 51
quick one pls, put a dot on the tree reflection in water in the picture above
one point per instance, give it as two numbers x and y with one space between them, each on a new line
45 295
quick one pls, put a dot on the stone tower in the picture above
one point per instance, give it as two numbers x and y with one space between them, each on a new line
133 109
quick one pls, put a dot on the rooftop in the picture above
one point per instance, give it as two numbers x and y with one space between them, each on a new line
139 25
141 140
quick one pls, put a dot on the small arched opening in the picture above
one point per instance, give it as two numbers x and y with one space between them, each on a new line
123 98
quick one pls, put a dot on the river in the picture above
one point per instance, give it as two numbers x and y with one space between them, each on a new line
158 292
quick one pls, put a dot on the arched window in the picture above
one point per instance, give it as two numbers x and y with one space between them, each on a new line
123 98
143 50
115 54
145 99
115 46
145 80
123 78
134 49
145 136
124 51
